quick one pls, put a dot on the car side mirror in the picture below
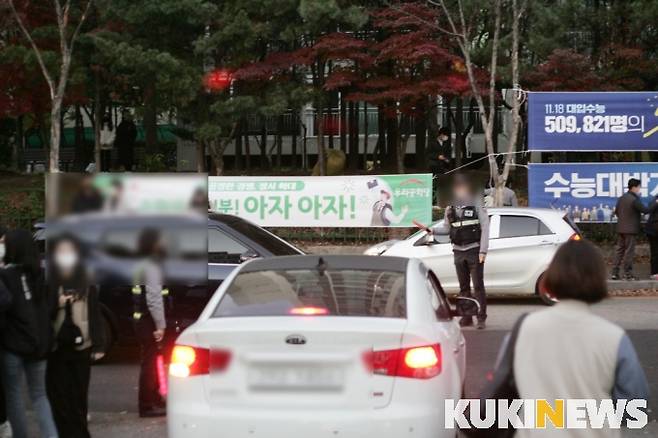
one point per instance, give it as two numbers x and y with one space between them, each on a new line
466 306
248 255
427 240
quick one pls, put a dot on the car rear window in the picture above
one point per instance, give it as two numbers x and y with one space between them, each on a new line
369 293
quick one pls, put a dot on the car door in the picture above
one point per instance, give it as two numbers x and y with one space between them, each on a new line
519 251
446 325
436 253
439 257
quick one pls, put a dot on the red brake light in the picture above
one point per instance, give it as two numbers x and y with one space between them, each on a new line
575 236
422 362
308 311
193 361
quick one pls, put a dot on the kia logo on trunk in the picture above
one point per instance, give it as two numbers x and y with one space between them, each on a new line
296 340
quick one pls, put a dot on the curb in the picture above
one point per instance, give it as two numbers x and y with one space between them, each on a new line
632 285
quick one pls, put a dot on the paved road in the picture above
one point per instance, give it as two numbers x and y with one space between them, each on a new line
113 390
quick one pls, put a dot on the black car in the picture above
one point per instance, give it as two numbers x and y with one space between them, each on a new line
230 241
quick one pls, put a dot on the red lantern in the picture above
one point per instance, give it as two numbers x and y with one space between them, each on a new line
217 80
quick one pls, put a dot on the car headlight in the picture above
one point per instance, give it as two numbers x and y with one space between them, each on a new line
380 248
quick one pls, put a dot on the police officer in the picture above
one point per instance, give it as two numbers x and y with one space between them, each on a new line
149 296
467 223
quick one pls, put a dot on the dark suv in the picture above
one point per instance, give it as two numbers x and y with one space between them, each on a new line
112 239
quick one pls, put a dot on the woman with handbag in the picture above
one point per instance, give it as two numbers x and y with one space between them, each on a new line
568 352
79 337
26 335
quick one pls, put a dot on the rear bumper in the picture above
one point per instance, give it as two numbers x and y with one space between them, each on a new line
200 421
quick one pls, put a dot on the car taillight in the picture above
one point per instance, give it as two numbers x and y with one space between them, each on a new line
308 311
575 236
193 361
417 362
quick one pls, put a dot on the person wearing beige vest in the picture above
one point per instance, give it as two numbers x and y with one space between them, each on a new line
568 352
69 366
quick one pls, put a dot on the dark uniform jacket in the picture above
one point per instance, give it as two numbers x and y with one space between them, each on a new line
629 211
27 327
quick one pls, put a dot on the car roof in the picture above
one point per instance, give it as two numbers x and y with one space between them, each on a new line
525 210
334 262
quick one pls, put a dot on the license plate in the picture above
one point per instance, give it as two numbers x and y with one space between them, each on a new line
295 377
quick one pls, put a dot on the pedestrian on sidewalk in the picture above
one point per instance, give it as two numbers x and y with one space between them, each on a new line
596 358
149 295
107 136
26 335
629 211
79 337
652 234
439 158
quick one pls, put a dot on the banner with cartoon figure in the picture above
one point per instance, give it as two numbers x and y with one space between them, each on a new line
588 192
325 201
593 121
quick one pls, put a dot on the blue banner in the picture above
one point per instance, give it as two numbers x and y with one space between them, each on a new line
612 121
588 192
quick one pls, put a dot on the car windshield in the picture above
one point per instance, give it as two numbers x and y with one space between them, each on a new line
371 293
263 237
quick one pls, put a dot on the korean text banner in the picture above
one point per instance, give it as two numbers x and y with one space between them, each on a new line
325 201
624 121
588 191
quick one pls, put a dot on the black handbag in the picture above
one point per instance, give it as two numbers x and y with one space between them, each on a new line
69 336
502 386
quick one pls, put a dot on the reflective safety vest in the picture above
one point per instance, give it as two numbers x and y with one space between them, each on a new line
465 227
140 308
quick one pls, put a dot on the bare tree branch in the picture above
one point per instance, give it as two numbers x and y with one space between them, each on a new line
37 52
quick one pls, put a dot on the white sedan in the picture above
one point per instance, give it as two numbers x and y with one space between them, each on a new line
319 346
522 242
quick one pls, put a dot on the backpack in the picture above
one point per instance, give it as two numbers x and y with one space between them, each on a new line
69 337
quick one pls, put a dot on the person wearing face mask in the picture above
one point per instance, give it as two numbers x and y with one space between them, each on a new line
79 337
26 335
467 223
149 297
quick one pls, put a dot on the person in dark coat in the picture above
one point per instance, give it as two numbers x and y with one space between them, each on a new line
439 158
88 199
69 363
652 234
26 335
629 211
126 135
5 302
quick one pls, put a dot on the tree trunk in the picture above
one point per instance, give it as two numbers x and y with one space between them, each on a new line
98 120
238 146
320 140
263 145
343 125
365 135
381 136
150 120
421 137
247 150
392 141
55 135
79 153
293 140
352 125
200 157
279 140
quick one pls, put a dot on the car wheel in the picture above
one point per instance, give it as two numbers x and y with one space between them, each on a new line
546 298
109 339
